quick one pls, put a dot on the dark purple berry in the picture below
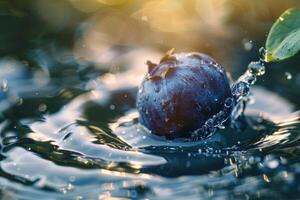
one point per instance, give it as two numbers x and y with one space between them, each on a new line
181 93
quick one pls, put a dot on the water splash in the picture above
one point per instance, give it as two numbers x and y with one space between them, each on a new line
241 88
233 107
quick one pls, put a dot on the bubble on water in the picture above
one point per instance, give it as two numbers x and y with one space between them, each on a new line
288 75
72 178
247 44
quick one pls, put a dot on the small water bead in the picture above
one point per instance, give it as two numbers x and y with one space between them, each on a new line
250 78
112 107
288 75
215 122
72 178
210 123
273 164
262 53
67 188
247 44
141 89
240 89
228 102
257 68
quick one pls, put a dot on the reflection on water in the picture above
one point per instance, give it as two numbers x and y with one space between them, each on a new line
68 122
80 146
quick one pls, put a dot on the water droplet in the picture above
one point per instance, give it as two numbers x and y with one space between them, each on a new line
273 164
288 75
210 123
262 53
240 89
247 44
228 102
72 178
257 68
141 90
112 107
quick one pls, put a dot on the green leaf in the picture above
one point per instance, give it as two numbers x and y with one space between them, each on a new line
284 37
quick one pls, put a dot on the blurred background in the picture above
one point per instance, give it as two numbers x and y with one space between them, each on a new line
69 69
70 41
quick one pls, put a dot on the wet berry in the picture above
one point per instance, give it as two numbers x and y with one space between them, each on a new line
181 93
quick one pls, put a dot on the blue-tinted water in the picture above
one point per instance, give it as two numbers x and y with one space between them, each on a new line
69 75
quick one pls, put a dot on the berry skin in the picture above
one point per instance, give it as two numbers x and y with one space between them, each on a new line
181 93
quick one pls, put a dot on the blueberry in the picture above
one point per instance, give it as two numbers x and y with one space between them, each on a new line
181 93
